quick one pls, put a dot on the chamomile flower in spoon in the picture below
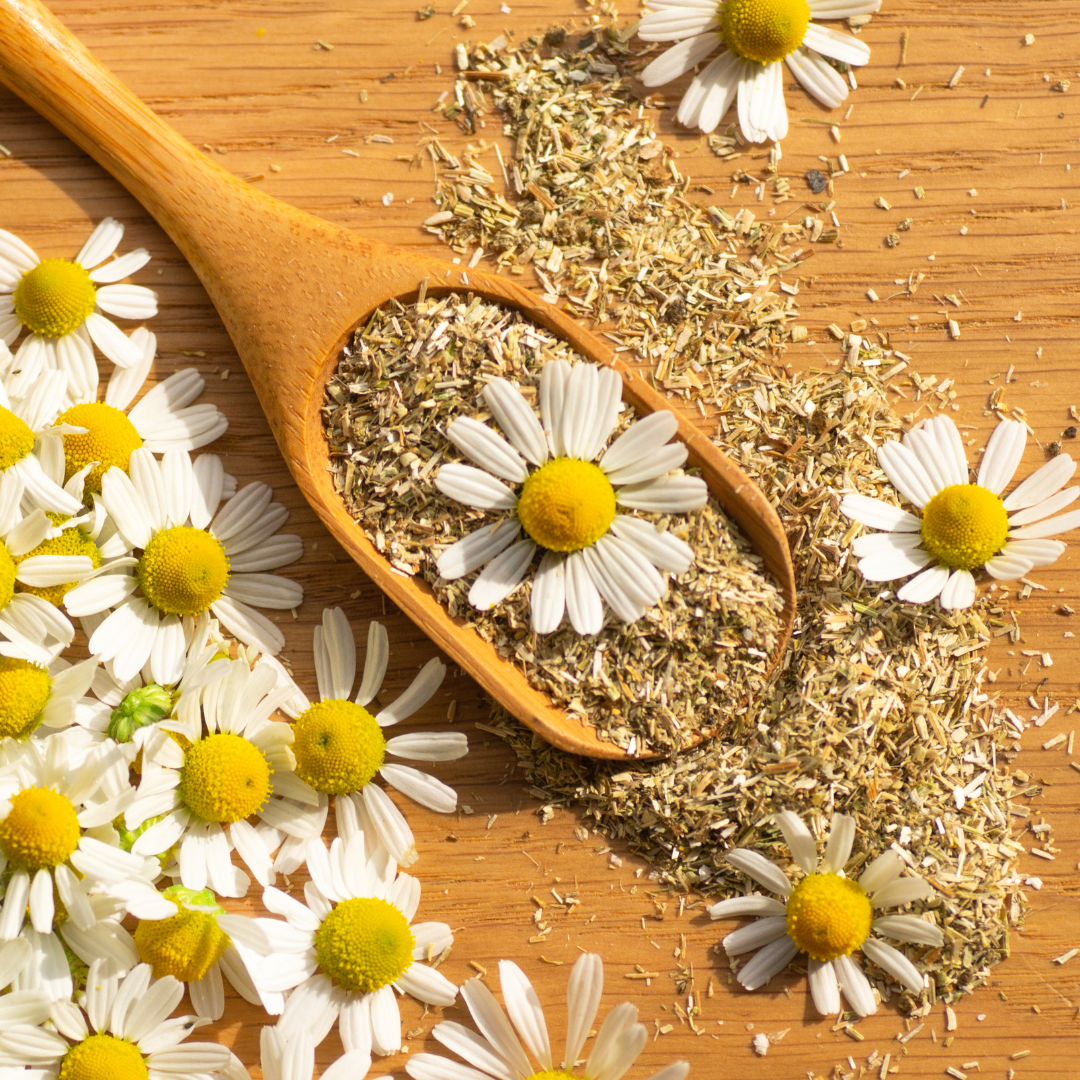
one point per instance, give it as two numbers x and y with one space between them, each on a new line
756 38
65 303
340 747
191 552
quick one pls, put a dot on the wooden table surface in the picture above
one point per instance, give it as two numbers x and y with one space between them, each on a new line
247 81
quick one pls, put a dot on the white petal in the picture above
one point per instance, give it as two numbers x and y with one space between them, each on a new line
493 1024
584 607
837 46
422 787
120 268
128 301
641 440
1042 483
824 988
583 993
250 626
428 985
416 696
1050 527
890 565
679 59
112 341
516 417
580 410
553 379
385 1022
906 473
477 549
896 964
429 746
798 839
665 459
959 591
474 487
767 962
548 600
761 932
376 659
1004 450
1038 552
126 507
855 986
841 837
663 549
502 575
609 399
843 9
1008 567
674 24
1050 505
924 587
101 243
667 495
909 928
487 449
818 77
762 870
883 870
525 1011
711 93
902 891
473 1048
18 253
754 904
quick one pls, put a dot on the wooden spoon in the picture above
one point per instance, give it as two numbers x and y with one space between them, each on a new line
290 289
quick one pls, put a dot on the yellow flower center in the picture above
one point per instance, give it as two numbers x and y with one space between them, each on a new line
40 831
764 30
364 944
338 746
54 298
110 437
828 916
224 778
567 504
964 525
24 690
183 570
7 577
103 1057
16 439
71 541
185 946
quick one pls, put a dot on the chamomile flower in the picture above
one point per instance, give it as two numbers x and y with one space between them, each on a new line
962 526
101 434
64 303
49 813
195 553
206 773
350 947
828 917
569 501
125 1033
199 943
340 746
499 1053
294 1059
35 699
755 37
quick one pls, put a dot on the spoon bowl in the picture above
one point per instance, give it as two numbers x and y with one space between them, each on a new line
291 288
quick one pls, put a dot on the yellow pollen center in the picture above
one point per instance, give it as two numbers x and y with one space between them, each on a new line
183 570
566 505
7 577
764 30
54 298
71 541
963 526
24 690
338 746
552 1074
109 439
224 778
103 1057
41 829
828 916
16 439
364 944
185 946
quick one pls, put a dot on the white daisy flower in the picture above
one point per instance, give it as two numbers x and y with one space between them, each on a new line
197 944
62 301
962 526
230 763
35 699
350 947
195 553
23 421
340 746
498 1053
569 501
95 435
294 1059
125 1033
827 916
755 36
50 813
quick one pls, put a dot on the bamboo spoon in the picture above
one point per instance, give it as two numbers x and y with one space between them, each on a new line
290 289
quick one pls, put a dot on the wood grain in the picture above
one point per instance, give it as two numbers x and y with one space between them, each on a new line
274 98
